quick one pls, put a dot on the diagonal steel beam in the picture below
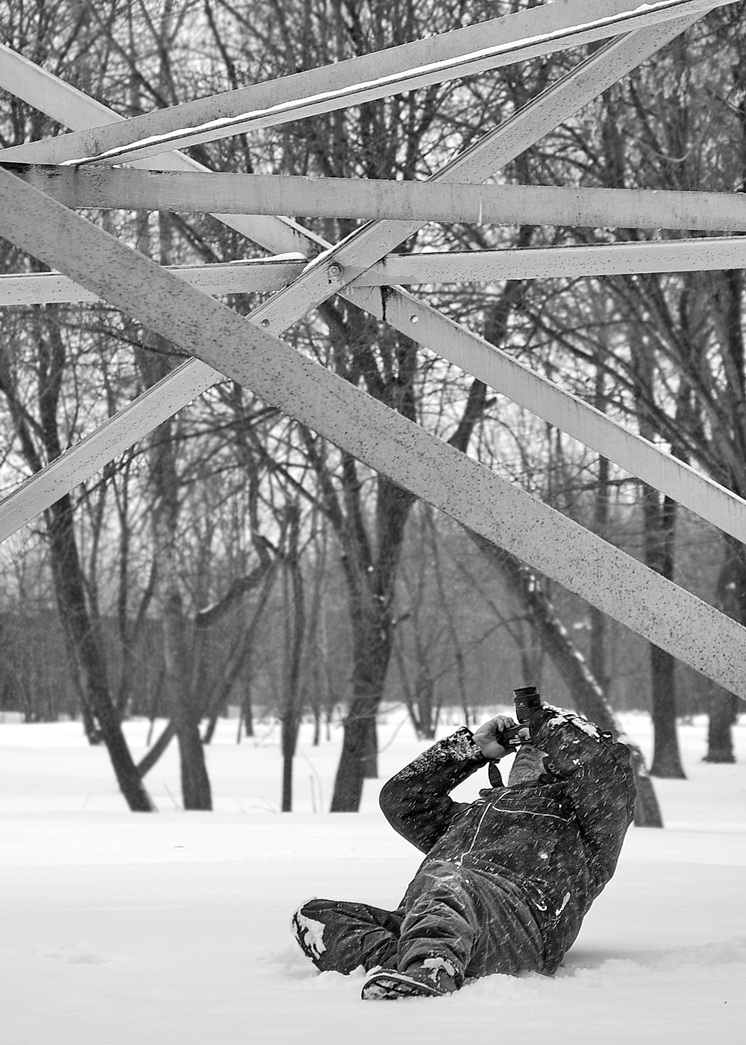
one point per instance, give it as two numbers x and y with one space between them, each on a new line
482 60
515 37
204 193
665 614
125 428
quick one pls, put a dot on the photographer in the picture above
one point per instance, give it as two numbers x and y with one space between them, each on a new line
508 878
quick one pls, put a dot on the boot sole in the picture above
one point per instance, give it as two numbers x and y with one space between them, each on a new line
393 985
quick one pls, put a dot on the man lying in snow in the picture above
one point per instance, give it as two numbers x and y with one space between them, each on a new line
507 879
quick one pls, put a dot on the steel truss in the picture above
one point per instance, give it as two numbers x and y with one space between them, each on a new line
43 182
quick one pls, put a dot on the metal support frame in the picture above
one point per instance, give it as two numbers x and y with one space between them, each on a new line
430 328
252 353
666 614
488 204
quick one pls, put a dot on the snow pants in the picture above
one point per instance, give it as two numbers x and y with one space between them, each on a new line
470 917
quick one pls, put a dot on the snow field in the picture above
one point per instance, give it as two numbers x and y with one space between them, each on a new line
174 929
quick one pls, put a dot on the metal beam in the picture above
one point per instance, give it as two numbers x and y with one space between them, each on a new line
52 288
638 597
524 34
478 266
200 193
609 259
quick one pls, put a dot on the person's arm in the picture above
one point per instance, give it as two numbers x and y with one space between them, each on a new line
599 778
415 801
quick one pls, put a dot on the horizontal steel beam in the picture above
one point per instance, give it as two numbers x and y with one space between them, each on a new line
52 288
609 259
253 276
524 34
638 597
200 193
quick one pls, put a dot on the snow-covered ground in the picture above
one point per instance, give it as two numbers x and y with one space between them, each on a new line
172 929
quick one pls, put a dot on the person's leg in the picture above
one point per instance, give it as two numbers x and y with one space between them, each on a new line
439 921
340 936
461 923
507 939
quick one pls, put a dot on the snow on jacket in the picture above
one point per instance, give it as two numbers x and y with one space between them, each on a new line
557 839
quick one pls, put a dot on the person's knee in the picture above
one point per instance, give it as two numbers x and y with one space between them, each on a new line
444 888
441 878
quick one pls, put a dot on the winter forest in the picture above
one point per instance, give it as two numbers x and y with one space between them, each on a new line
234 562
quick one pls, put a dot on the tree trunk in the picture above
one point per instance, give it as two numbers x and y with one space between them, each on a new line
185 705
724 708
372 650
289 744
294 637
660 525
84 646
246 714
589 697
195 782
666 758
348 783
601 512
425 710
196 792
370 584
370 762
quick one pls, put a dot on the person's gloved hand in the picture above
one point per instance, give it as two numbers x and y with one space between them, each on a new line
487 737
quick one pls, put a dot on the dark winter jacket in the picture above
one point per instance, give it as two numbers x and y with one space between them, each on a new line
556 840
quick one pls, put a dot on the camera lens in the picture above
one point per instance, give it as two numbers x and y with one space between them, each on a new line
526 700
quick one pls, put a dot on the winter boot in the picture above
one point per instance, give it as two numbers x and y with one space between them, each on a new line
431 978
309 935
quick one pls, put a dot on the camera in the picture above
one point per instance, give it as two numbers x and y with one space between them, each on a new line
526 700
512 737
